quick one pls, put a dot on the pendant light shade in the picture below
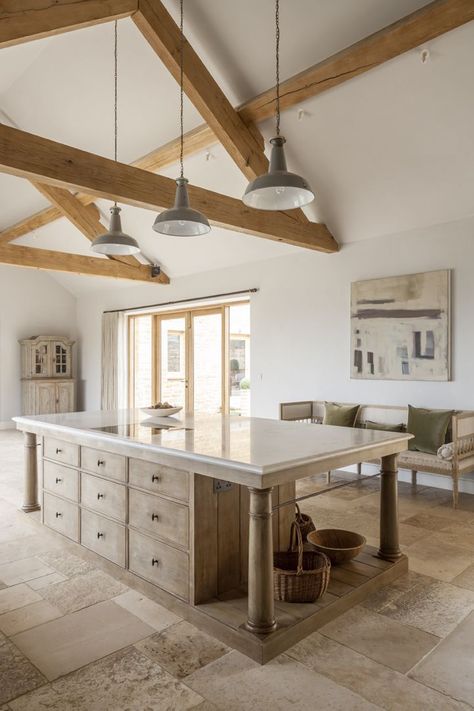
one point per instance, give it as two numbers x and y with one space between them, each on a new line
115 242
181 220
278 189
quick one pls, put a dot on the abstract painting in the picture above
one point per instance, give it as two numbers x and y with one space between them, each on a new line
400 327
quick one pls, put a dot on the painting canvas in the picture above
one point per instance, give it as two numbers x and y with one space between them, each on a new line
400 327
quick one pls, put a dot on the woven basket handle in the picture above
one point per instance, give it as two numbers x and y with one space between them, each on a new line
296 534
298 513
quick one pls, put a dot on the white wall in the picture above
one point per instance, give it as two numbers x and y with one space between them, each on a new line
300 319
31 303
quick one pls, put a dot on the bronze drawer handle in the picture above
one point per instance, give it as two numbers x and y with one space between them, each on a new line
58 451
155 561
58 514
155 477
100 496
154 517
100 462
58 480
100 535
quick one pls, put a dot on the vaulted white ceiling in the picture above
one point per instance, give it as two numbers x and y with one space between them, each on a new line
388 151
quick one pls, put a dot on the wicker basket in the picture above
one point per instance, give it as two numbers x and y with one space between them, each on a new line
300 576
305 523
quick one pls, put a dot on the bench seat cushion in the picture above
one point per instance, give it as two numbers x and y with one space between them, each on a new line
421 461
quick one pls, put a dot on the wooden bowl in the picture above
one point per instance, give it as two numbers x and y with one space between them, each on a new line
339 546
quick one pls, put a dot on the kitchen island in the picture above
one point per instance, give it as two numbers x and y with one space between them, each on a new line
193 506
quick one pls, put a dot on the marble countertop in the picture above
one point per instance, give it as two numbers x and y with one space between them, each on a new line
245 444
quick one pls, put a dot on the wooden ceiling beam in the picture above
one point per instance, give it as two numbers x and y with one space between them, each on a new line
25 20
50 260
40 159
243 142
409 32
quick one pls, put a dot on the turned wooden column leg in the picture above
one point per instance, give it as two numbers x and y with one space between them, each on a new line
389 545
30 484
261 609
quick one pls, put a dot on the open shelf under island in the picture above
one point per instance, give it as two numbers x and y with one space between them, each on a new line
185 504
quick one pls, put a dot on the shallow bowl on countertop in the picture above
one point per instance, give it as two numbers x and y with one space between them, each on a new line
160 411
339 545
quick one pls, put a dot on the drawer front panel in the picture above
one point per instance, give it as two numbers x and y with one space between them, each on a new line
105 537
159 479
61 480
62 516
159 517
159 563
106 464
103 496
63 452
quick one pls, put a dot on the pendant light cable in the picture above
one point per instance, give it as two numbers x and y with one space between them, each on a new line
181 90
277 63
115 94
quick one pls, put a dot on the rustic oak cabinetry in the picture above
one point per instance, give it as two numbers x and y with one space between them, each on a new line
46 374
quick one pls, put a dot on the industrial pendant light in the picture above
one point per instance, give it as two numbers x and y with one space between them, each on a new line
278 189
181 220
115 242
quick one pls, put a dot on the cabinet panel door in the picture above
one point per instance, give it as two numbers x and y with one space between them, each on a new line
65 397
45 398
61 359
41 365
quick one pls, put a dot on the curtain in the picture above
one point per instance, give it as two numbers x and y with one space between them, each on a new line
114 362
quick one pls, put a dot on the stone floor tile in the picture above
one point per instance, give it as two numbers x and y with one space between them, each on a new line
17 596
70 642
182 649
428 521
373 681
436 608
378 600
437 558
29 616
146 610
397 645
18 675
236 683
465 579
67 563
44 581
20 571
450 667
82 591
124 681
26 547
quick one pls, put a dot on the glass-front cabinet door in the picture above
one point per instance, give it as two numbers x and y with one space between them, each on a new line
41 360
61 360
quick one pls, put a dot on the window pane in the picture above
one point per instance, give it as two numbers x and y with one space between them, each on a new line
207 363
239 355
172 361
142 362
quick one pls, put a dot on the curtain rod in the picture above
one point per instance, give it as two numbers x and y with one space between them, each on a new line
182 301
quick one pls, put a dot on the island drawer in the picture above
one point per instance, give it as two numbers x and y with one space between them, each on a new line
107 464
159 563
159 517
159 479
104 496
62 516
64 452
103 536
61 480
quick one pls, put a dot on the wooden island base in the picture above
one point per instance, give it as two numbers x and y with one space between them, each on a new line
349 585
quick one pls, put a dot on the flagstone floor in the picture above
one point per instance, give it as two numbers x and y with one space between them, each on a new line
74 637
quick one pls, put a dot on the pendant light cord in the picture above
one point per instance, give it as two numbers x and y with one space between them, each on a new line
115 93
181 91
277 63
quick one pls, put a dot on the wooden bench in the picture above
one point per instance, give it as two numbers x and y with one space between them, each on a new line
460 434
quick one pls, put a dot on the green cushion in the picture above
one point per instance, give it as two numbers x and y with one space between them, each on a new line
385 427
429 428
342 415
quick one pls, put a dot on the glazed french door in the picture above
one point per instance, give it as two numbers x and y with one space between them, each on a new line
197 359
